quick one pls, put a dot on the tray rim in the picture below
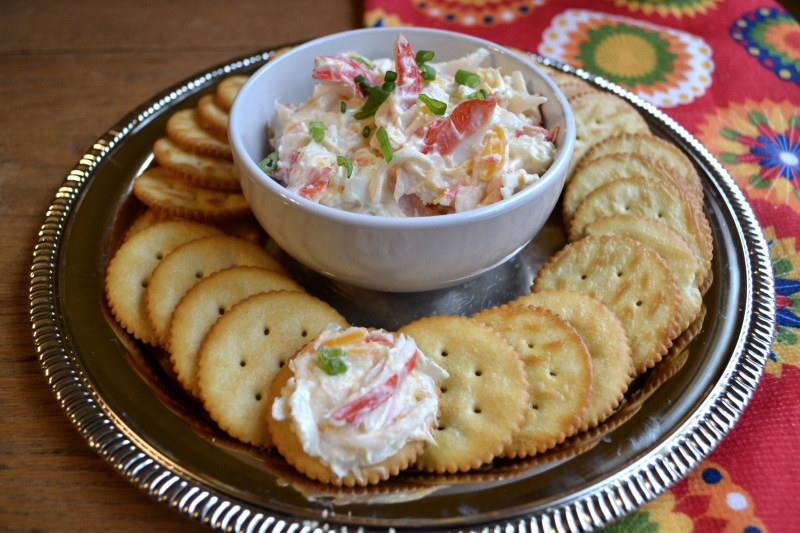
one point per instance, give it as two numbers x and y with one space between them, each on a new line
638 483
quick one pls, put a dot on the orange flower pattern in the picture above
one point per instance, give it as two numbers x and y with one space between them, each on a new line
663 66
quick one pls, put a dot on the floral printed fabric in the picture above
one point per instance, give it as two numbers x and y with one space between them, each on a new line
729 72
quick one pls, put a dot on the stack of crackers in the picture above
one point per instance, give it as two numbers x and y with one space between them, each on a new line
625 292
194 176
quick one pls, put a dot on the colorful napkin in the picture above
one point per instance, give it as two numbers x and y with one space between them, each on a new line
729 72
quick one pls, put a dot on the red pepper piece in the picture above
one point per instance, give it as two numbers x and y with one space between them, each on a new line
469 117
342 71
409 78
355 411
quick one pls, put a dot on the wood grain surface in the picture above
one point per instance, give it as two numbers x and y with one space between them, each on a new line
68 72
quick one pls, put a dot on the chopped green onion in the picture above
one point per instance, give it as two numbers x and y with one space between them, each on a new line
427 72
342 161
383 139
482 94
332 360
317 130
470 79
437 107
377 96
364 62
269 163
343 107
423 56
365 132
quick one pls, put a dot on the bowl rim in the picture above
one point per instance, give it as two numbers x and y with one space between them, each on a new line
561 162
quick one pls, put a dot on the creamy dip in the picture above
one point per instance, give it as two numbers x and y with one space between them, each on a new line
408 136
358 396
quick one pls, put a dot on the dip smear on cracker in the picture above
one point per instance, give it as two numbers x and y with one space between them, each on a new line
358 401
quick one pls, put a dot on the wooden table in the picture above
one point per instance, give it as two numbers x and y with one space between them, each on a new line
69 71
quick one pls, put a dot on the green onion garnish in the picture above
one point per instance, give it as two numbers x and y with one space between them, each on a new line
364 62
317 130
470 79
427 72
383 139
269 163
343 107
376 97
482 94
365 132
437 107
332 360
390 76
342 161
423 56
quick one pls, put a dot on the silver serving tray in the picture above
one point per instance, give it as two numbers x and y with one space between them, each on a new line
124 403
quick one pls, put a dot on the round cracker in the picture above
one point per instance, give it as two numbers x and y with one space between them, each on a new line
290 447
145 220
228 89
246 228
184 127
195 169
650 199
484 400
574 88
608 345
212 117
203 304
132 266
246 348
630 279
559 371
187 264
598 116
605 169
654 148
160 189
670 246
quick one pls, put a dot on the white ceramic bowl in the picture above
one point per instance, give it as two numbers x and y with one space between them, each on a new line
387 253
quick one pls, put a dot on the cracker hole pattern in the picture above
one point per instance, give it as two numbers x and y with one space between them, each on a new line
266 330
258 396
242 363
